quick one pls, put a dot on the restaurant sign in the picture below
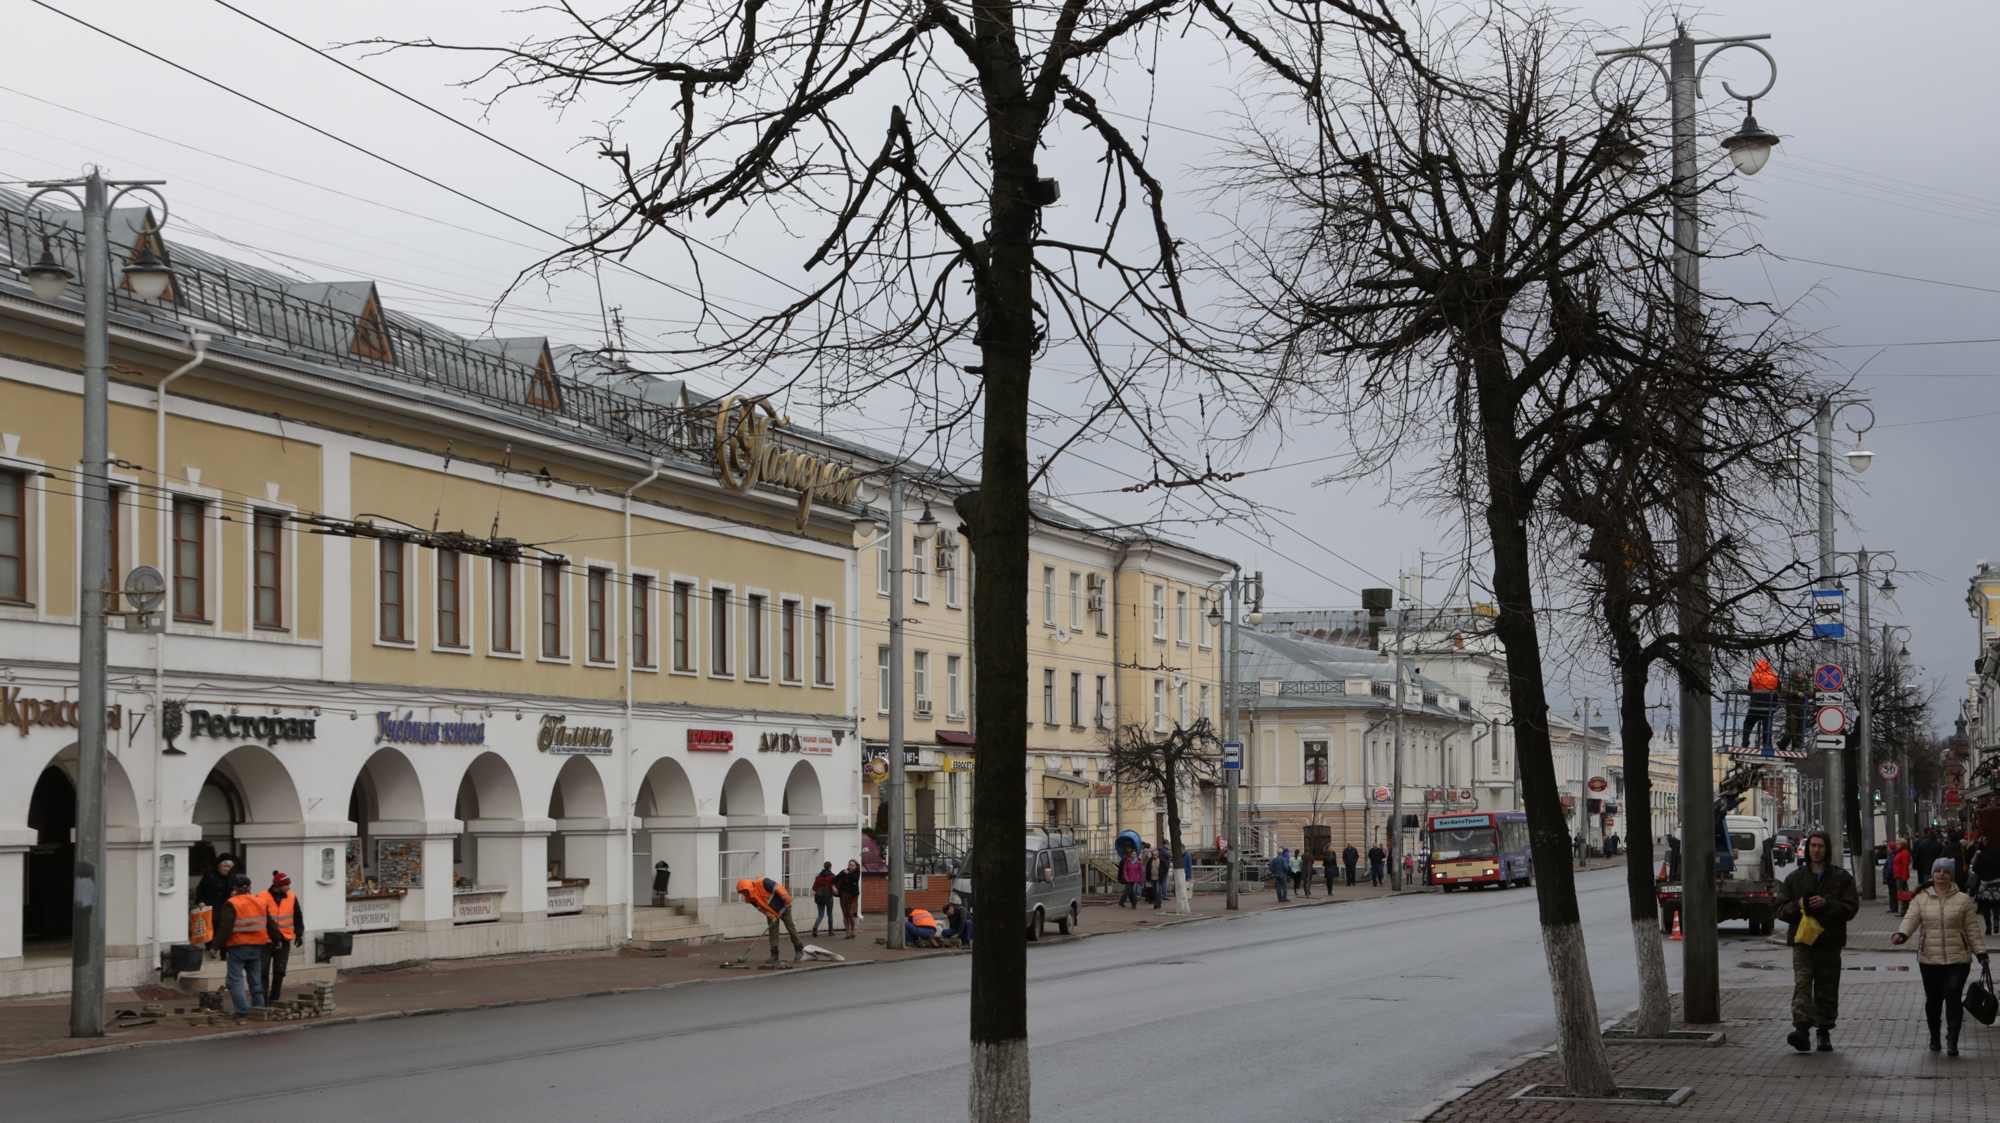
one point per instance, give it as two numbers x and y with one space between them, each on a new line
557 736
746 455
711 740
812 744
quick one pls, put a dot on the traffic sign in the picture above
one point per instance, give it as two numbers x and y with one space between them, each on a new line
1829 678
1836 741
1832 719
1888 769
1953 795
1829 613
1597 784
1232 754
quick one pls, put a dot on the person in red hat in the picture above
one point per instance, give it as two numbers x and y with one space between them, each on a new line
289 917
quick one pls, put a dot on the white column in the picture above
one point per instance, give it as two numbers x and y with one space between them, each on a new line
295 848
688 844
167 895
14 847
595 849
428 905
128 854
513 855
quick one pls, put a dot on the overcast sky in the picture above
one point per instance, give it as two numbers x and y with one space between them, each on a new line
1887 167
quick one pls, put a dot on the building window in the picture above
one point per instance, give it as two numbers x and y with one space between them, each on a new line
951 577
920 680
882 566
1102 687
718 626
115 502
1076 698
1100 601
267 569
954 686
1075 601
1202 627
190 560
552 606
753 637
1049 595
788 640
13 537
596 586
503 606
1181 704
1049 694
1315 762
642 621
882 672
683 623
920 570
822 641
1207 706
395 590
449 563
1159 705
1159 612
1180 616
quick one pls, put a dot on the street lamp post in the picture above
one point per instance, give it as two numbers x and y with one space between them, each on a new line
898 842
1865 564
1748 149
1583 783
1835 796
1232 592
1894 800
148 279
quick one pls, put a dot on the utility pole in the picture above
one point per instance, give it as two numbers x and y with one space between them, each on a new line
1834 798
1232 858
1396 776
1864 776
1583 786
897 839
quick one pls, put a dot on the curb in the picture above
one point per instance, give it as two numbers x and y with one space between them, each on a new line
1480 1079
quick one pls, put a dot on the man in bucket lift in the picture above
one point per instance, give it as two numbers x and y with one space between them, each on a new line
1763 701
773 901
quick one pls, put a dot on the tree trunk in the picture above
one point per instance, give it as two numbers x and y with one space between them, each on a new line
999 519
1655 1004
1174 850
1580 1043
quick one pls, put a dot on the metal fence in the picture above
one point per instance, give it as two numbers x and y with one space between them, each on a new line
733 866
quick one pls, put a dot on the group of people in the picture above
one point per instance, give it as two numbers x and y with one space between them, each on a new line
1144 872
773 900
1975 871
1292 870
253 933
1940 915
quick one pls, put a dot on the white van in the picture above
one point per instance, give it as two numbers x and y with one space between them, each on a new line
1055 883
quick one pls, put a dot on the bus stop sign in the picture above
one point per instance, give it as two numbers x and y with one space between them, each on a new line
1232 754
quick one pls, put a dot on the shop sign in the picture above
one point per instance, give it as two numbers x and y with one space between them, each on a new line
475 908
711 740
24 712
1102 789
565 900
965 764
245 727
558 737
374 914
404 731
746 455
814 744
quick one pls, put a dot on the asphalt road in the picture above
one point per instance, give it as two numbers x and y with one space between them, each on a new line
1360 1011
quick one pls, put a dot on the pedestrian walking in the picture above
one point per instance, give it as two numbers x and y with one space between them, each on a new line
242 930
1925 853
1821 892
1301 872
823 894
1130 874
1330 863
1986 887
1281 874
1899 866
1350 857
1674 857
1376 858
1954 849
1156 874
775 902
218 884
1944 956
847 886
289 915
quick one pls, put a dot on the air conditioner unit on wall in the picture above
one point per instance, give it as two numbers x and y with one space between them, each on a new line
1097 602
946 538
923 707
947 560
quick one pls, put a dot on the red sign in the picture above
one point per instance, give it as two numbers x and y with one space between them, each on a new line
1953 795
1597 784
711 740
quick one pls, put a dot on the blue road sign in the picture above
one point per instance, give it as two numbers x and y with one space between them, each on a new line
1829 613
1829 679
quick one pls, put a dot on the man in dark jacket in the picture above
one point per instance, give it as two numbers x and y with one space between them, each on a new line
1350 857
1925 852
1377 857
1819 888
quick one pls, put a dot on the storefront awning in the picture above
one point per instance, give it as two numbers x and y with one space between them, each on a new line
956 738
1063 787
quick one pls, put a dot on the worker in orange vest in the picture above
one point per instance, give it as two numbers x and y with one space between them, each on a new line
289 915
773 901
1763 700
918 925
243 928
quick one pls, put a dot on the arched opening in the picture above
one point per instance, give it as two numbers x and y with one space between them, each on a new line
486 791
217 811
741 851
802 854
802 791
386 790
45 913
578 794
742 791
664 793
248 785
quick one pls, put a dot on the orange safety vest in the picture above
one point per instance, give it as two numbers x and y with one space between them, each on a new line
922 919
282 913
252 915
762 891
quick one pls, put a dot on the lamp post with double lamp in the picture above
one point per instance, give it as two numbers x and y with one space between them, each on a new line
48 278
1233 592
896 797
1866 564
1583 781
1894 772
1859 459
1748 148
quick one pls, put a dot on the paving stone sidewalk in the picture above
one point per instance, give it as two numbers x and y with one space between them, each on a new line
1880 1070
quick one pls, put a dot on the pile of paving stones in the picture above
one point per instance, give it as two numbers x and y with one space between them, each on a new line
213 1009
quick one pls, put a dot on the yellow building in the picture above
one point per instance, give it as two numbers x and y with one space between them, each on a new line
467 635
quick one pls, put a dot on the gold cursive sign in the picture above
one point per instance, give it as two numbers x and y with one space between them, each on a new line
745 455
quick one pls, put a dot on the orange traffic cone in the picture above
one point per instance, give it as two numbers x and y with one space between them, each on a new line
1663 869
1677 927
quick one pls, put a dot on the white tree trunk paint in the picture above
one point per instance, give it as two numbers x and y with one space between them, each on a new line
1183 900
1655 1006
999 1082
1579 1041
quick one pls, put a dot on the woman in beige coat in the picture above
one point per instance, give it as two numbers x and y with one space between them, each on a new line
1951 941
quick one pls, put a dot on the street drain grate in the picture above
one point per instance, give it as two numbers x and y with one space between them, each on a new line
1655 1097
1673 1037
1875 968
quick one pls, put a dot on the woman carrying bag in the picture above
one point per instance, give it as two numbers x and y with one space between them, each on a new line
1951 941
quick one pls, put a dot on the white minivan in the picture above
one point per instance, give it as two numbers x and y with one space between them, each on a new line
1055 883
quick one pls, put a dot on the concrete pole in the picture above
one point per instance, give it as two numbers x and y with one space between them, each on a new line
86 1010
1395 831
1865 778
1583 786
1700 969
897 790
1232 859
1834 797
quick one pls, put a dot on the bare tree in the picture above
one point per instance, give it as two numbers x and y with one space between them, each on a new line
1168 765
1484 299
897 142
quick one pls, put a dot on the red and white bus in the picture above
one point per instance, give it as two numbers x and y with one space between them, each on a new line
1482 848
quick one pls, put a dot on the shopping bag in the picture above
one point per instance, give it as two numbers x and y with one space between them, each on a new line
1903 895
1807 930
1980 1001
201 925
